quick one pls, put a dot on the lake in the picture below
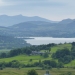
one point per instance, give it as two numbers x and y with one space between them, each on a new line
47 40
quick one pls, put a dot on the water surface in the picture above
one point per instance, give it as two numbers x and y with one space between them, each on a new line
47 40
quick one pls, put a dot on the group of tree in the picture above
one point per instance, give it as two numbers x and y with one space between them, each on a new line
65 55
27 50
46 64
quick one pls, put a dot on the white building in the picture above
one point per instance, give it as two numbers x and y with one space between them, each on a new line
47 73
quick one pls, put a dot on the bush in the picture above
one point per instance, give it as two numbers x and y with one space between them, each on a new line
32 72
1 68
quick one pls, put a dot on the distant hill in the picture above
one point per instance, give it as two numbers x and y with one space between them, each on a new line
66 21
9 42
11 20
64 28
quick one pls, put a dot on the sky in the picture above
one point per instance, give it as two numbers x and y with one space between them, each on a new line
55 10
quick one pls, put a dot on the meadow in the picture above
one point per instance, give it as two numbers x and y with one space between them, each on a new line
35 58
25 59
23 71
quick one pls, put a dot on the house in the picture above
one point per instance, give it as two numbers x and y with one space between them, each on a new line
37 52
47 73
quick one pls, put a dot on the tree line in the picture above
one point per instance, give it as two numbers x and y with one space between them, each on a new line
26 50
65 55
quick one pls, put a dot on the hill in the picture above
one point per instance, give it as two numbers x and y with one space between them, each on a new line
25 59
40 28
22 63
66 21
9 42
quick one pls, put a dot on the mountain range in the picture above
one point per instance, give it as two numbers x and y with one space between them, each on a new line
37 26
6 20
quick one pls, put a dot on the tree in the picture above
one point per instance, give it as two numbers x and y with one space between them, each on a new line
49 50
45 55
32 72
3 55
60 65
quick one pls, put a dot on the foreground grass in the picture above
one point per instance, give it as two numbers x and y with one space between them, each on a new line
23 71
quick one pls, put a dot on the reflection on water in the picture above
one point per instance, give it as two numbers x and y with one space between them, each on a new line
47 40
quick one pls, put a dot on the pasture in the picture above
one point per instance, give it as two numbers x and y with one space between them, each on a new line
23 71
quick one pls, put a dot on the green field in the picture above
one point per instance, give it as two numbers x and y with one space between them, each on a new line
25 59
54 49
23 71
35 58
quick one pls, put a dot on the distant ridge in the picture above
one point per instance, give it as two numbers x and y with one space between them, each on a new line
11 20
66 21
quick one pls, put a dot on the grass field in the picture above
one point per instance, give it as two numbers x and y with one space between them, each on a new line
54 49
35 58
25 59
23 71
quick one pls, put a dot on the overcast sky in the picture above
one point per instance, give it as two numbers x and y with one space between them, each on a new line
50 9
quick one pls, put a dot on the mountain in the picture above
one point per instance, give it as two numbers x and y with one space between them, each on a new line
41 28
11 20
66 21
64 28
71 26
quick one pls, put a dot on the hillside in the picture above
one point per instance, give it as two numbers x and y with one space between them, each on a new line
25 59
22 63
9 42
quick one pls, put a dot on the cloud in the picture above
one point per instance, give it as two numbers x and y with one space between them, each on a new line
45 8
4 3
34 2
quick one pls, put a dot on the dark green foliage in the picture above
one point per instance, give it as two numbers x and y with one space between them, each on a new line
73 52
50 63
28 50
46 67
9 42
60 65
30 60
73 43
14 64
3 55
15 52
63 55
32 72
45 55
1 68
